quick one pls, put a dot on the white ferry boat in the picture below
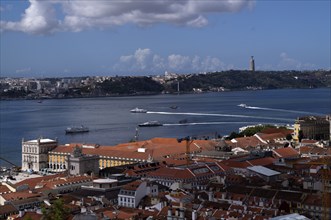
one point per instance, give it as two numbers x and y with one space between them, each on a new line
150 124
138 110
243 105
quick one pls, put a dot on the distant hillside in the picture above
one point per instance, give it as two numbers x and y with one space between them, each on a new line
77 87
243 80
130 86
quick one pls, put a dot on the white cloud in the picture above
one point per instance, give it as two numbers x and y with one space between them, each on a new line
289 63
126 58
78 15
158 62
23 70
141 56
39 18
178 62
198 22
144 60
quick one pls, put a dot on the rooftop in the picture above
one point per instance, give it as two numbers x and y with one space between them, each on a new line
105 181
286 152
263 170
294 216
42 140
158 148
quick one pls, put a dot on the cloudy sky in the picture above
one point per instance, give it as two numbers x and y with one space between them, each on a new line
42 38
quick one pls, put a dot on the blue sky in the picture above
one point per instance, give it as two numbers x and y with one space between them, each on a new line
44 38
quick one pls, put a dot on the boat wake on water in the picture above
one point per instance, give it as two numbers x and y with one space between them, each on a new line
280 110
219 115
214 123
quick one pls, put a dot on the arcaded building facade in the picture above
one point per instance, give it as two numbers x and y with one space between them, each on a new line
313 127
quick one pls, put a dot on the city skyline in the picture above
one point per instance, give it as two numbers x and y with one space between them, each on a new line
74 38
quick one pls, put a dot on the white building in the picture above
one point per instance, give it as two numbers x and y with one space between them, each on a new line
35 153
131 194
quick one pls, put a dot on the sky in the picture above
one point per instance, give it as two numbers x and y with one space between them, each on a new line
57 38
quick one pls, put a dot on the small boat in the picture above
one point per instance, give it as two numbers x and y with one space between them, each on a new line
76 129
183 121
150 124
243 105
138 110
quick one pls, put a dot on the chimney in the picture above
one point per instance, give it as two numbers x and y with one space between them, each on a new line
169 216
194 215
21 213
210 196
181 213
176 212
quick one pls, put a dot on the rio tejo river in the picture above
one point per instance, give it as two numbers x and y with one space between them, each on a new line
110 121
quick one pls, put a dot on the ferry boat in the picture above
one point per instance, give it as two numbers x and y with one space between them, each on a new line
76 129
150 124
243 105
183 121
138 110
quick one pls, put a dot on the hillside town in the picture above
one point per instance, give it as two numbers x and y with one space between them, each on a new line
277 173
103 86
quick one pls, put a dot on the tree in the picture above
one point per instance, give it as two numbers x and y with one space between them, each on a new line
300 136
233 135
57 211
289 137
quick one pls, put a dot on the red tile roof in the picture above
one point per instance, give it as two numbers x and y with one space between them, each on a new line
314 150
277 130
245 142
19 195
235 164
30 215
7 209
262 161
119 214
156 147
32 182
133 186
172 173
287 152
272 137
307 141
4 189
59 181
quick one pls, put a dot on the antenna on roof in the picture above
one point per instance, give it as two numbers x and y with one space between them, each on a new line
136 135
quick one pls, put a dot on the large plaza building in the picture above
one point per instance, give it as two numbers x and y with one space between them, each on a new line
128 153
313 127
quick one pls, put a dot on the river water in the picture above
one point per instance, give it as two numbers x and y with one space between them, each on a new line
110 121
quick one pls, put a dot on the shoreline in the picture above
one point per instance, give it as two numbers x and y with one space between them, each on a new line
149 94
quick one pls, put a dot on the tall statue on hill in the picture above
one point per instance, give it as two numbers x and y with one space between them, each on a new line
252 64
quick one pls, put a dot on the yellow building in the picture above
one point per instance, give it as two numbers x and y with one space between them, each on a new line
296 131
128 153
313 127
